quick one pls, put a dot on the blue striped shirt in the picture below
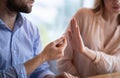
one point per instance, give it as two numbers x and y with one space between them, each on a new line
18 46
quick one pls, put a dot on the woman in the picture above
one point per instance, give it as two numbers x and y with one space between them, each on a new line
93 41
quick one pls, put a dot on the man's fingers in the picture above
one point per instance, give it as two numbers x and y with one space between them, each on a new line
61 42
58 40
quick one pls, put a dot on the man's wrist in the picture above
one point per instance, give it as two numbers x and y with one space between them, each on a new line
43 57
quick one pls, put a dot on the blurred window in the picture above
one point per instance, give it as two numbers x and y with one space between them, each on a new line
53 16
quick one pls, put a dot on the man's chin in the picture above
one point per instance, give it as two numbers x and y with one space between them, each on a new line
26 10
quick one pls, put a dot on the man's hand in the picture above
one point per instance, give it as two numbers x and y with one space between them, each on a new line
65 75
55 49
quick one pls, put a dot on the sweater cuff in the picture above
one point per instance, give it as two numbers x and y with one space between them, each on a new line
97 59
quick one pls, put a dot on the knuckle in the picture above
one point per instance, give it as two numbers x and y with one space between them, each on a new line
51 43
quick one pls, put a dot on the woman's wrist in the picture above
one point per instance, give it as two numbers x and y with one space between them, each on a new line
90 54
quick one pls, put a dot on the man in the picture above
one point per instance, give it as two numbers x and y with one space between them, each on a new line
20 43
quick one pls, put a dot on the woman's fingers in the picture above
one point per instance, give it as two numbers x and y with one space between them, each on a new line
74 25
75 36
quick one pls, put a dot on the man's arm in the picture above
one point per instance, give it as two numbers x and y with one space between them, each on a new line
22 70
42 71
51 52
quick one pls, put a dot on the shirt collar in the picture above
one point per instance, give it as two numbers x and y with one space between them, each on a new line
18 22
1 21
2 24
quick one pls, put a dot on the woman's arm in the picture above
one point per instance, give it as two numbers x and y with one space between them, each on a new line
65 63
105 63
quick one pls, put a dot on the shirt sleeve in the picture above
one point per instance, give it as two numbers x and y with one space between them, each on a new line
107 63
17 71
42 71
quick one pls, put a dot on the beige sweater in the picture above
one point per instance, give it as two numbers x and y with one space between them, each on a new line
102 38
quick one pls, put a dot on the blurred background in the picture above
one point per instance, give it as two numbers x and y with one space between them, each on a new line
52 18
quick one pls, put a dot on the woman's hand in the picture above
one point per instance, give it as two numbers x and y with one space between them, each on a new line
49 76
55 49
62 75
65 75
75 37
